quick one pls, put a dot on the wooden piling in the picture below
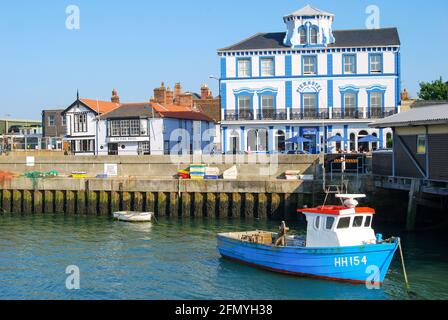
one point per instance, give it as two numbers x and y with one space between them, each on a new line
104 203
92 203
126 200
174 204
27 202
38 205
249 206
210 205
236 205
48 202
186 205
262 210
198 205
114 201
161 204
274 208
150 202
17 201
81 202
59 202
414 195
70 202
223 210
6 201
138 202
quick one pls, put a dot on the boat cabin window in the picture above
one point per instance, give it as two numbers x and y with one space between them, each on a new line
317 222
330 223
368 222
344 223
357 222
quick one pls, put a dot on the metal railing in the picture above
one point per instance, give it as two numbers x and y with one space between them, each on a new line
272 114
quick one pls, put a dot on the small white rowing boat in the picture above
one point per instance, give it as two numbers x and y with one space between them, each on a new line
128 216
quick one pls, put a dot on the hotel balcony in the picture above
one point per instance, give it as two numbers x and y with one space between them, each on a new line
299 114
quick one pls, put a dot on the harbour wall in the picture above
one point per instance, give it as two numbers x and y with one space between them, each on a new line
175 198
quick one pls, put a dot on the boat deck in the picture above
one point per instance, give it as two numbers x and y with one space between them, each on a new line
264 238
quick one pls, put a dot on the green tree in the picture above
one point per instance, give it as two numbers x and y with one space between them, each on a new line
436 90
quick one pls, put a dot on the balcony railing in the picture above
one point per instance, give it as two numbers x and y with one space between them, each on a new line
272 114
378 113
346 114
299 114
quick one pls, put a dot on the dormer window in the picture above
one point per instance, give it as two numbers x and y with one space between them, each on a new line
303 38
313 35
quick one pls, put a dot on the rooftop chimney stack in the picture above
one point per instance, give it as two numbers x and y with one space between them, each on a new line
177 92
169 96
115 98
160 94
205 92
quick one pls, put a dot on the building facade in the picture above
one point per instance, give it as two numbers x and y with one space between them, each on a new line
54 128
310 81
155 127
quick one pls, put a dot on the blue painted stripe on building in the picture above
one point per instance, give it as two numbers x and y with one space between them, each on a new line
346 137
288 65
330 93
223 68
224 96
330 64
288 94
398 80
243 147
224 139
381 138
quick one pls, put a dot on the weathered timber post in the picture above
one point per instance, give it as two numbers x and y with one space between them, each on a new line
150 202
48 202
223 211
262 212
210 205
236 205
59 202
17 201
114 201
198 205
161 204
174 204
6 201
249 205
104 203
126 201
81 202
38 203
275 206
92 203
186 205
414 194
27 202
138 202
70 202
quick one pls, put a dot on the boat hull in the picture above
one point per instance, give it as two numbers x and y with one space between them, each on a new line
358 264
133 217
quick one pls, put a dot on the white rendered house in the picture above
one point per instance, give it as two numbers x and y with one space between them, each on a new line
310 81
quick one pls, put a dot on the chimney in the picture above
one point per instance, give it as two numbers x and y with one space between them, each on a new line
177 92
115 98
205 92
160 94
185 99
169 96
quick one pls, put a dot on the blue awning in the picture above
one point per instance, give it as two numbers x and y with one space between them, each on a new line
298 140
336 139
369 138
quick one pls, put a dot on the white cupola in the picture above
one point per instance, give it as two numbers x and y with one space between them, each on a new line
309 27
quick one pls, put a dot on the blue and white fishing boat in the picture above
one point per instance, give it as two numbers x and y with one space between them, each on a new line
340 245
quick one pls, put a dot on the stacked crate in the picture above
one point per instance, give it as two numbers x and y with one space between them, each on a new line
197 172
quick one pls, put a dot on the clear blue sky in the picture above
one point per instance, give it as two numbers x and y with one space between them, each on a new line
134 45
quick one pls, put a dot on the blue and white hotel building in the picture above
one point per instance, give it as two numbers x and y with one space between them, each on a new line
310 81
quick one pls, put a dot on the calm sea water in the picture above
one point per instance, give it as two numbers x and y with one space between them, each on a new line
177 259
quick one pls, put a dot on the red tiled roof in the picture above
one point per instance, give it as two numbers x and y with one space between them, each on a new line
100 106
180 112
